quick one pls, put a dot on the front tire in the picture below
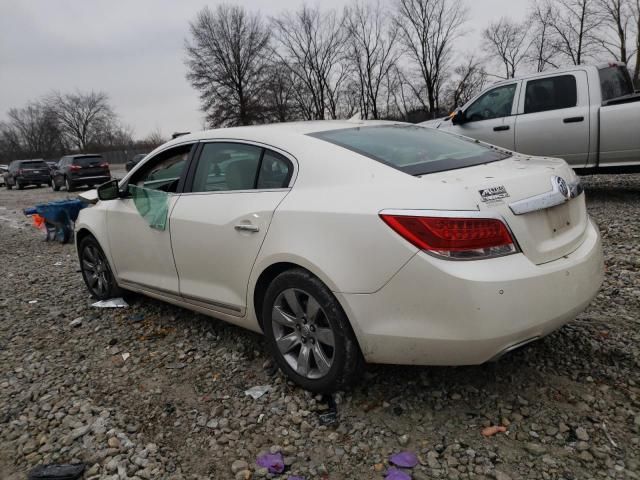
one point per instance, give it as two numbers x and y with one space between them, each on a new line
68 185
20 186
54 186
309 334
96 271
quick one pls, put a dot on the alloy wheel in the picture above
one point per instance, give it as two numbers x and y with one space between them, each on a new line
96 270
303 333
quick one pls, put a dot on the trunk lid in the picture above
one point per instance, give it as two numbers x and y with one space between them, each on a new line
543 235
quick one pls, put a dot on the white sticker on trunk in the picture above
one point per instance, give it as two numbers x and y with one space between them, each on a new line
493 193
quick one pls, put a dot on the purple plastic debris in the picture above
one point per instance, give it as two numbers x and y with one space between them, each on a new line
404 459
272 462
291 477
395 474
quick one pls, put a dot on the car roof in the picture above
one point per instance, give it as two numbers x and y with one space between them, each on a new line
273 130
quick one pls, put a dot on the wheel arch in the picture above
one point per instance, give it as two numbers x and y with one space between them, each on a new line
270 272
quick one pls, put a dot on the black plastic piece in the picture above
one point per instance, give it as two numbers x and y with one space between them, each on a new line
69 471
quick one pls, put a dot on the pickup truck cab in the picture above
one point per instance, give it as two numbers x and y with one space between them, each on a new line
587 115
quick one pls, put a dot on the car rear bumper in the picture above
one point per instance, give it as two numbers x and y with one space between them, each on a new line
440 312
93 180
34 180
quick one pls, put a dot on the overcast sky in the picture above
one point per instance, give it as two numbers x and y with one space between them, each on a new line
133 50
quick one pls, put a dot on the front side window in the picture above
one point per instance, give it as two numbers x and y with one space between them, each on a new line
163 172
496 103
553 93
412 149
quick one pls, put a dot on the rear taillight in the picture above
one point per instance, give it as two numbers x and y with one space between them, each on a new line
104 165
459 238
74 167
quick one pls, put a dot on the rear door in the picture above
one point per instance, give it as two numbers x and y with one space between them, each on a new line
553 118
219 223
490 117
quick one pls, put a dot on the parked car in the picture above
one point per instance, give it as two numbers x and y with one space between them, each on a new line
3 169
51 164
586 115
346 241
134 161
22 173
75 170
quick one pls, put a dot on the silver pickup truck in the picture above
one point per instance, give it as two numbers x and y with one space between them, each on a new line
587 115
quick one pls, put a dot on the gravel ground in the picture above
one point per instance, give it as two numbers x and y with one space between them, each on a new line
155 391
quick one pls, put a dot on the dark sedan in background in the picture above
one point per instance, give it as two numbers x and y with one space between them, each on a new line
22 173
75 170
134 161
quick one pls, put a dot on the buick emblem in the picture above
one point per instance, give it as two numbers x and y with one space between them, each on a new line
561 185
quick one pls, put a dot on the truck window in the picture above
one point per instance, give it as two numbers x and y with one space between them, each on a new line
615 82
551 93
495 103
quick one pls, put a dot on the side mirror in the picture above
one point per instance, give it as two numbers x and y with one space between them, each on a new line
458 118
109 190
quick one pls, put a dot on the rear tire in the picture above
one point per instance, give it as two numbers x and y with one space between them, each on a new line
96 271
20 186
9 187
68 185
309 335
55 187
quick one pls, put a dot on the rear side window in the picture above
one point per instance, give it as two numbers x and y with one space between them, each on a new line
615 82
552 93
275 171
412 149
87 161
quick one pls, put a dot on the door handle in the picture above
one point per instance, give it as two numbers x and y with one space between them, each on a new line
246 227
573 120
501 128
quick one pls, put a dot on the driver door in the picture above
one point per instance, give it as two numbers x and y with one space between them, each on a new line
491 118
141 254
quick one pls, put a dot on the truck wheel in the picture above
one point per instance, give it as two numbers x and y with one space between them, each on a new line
309 334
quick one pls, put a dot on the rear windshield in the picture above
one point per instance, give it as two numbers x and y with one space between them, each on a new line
412 149
33 165
87 161
615 82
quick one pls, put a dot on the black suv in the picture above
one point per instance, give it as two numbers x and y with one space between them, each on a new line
26 172
75 170
134 161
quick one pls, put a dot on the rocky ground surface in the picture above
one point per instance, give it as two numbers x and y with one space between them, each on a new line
154 391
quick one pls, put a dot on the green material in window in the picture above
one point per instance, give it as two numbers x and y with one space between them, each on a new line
152 205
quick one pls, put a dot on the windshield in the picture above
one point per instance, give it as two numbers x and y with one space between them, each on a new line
412 149
615 82
33 165
87 161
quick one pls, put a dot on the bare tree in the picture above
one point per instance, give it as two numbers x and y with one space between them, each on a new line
226 60
468 80
311 44
35 130
371 51
508 42
543 49
280 93
428 29
616 17
575 25
635 10
81 116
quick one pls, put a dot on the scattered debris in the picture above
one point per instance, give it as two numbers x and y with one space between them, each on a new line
57 264
606 433
404 459
69 471
395 474
176 366
111 303
257 391
76 322
125 356
493 430
330 416
33 301
274 462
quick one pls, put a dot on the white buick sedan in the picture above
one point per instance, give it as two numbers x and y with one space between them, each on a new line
346 242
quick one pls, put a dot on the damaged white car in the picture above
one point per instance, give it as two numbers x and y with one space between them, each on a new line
347 242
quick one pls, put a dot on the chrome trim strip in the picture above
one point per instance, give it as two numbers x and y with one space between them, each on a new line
561 192
226 306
